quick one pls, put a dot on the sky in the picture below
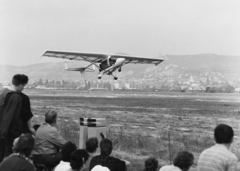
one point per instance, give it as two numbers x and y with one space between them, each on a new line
138 27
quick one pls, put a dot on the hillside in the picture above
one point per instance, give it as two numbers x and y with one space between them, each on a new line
173 66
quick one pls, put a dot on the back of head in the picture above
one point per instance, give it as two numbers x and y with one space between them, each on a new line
19 79
67 150
51 117
78 159
223 134
25 144
184 160
106 147
92 144
151 164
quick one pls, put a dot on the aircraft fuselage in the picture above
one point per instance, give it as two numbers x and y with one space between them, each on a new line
109 66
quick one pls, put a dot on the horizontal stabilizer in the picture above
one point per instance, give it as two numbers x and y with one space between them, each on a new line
82 69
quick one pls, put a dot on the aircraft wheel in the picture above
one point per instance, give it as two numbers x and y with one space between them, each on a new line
115 78
99 78
119 70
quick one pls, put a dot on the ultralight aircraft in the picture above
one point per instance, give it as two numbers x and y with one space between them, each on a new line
107 63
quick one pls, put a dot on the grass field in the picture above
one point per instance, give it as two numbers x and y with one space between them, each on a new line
143 124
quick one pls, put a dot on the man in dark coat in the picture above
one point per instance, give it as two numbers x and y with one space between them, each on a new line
10 113
104 159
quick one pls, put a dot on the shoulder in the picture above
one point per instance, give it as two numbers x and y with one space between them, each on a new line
118 161
14 96
24 96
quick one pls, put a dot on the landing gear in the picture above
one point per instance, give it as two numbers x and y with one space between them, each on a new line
115 78
119 70
99 76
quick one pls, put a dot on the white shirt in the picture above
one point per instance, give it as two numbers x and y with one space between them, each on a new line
63 166
170 168
217 158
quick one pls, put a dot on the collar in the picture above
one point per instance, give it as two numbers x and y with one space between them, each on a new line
64 163
223 146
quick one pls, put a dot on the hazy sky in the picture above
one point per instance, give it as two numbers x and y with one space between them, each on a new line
138 27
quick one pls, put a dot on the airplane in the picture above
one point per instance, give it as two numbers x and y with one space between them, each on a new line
108 63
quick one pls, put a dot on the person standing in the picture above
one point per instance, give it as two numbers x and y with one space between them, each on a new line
10 112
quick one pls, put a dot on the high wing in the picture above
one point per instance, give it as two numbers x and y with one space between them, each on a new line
99 57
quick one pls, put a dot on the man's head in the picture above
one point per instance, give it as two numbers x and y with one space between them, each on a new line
51 117
106 147
92 144
24 144
19 81
78 159
67 150
223 134
151 164
184 160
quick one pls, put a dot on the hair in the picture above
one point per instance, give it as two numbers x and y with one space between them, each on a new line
50 116
223 134
78 158
25 144
67 150
151 164
106 147
19 79
183 160
92 144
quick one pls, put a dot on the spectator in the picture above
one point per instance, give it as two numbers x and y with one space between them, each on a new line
48 142
19 161
67 150
10 114
104 159
151 164
78 160
218 157
182 162
91 147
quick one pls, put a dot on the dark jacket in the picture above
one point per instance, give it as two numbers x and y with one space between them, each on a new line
10 110
112 163
26 113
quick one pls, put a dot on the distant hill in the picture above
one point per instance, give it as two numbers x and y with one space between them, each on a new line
177 64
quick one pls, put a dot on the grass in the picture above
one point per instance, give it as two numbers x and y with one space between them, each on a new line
145 117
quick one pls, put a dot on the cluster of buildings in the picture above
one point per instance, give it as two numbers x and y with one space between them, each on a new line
169 78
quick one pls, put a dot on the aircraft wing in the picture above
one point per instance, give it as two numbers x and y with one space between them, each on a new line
99 57
89 57
138 59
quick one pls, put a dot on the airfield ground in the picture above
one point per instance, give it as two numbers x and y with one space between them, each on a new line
143 124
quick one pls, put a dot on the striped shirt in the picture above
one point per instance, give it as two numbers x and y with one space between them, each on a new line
217 158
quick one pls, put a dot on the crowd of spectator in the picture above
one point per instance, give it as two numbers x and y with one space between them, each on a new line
44 149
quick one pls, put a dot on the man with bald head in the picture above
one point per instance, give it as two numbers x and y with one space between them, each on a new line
48 142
